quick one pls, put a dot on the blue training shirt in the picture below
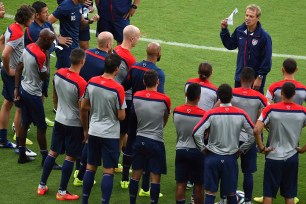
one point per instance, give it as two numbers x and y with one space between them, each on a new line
94 64
134 78
69 15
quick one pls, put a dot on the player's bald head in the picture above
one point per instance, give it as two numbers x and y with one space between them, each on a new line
131 31
153 48
46 34
104 38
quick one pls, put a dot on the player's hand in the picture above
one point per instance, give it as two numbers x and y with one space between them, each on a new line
91 9
16 94
87 3
301 150
257 84
64 40
205 151
224 24
267 150
129 14
95 18
85 136
238 153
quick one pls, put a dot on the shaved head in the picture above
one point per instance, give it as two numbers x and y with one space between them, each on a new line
104 38
46 38
153 48
46 33
131 31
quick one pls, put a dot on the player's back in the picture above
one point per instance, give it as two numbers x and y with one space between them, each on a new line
69 87
185 118
150 108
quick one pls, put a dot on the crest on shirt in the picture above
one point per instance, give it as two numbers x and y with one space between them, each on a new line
244 92
144 64
227 109
102 82
96 52
147 95
254 42
288 107
188 110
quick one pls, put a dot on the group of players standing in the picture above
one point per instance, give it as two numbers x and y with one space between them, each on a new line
100 97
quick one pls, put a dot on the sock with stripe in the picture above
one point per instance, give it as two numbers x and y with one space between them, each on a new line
47 168
107 187
66 173
133 190
88 181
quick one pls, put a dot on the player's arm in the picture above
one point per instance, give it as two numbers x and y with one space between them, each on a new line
166 117
229 42
132 10
45 70
248 126
199 130
18 73
85 22
8 50
121 114
85 107
2 39
257 134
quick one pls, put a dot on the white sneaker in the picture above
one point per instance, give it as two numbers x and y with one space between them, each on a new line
28 152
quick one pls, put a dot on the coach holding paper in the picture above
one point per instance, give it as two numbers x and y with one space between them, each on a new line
254 46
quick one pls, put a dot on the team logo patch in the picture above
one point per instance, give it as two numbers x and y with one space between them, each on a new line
102 82
227 109
188 110
147 95
245 93
288 107
222 161
144 64
254 42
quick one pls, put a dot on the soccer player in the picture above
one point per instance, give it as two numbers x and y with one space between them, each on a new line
95 57
70 19
94 66
67 133
32 33
11 54
252 102
134 80
274 93
105 100
254 46
152 111
188 160
224 124
115 16
131 36
285 121
34 68
208 90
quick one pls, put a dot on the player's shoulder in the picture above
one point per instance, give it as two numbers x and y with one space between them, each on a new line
189 110
16 31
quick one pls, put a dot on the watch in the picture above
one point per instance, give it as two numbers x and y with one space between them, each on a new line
134 6
260 76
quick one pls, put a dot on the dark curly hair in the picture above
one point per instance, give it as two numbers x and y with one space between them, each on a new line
24 14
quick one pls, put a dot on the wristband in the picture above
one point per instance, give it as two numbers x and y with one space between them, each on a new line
134 6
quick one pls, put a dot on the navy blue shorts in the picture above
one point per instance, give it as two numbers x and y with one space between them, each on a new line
221 167
32 110
105 149
115 27
63 60
249 160
132 129
189 166
84 34
8 87
67 139
281 174
124 125
149 154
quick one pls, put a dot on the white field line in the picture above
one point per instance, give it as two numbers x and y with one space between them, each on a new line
185 45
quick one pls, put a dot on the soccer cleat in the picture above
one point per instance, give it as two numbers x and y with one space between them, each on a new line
260 199
192 200
124 184
119 169
143 193
28 142
76 172
8 145
41 190
77 182
57 167
189 185
25 159
66 196
28 152
49 122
